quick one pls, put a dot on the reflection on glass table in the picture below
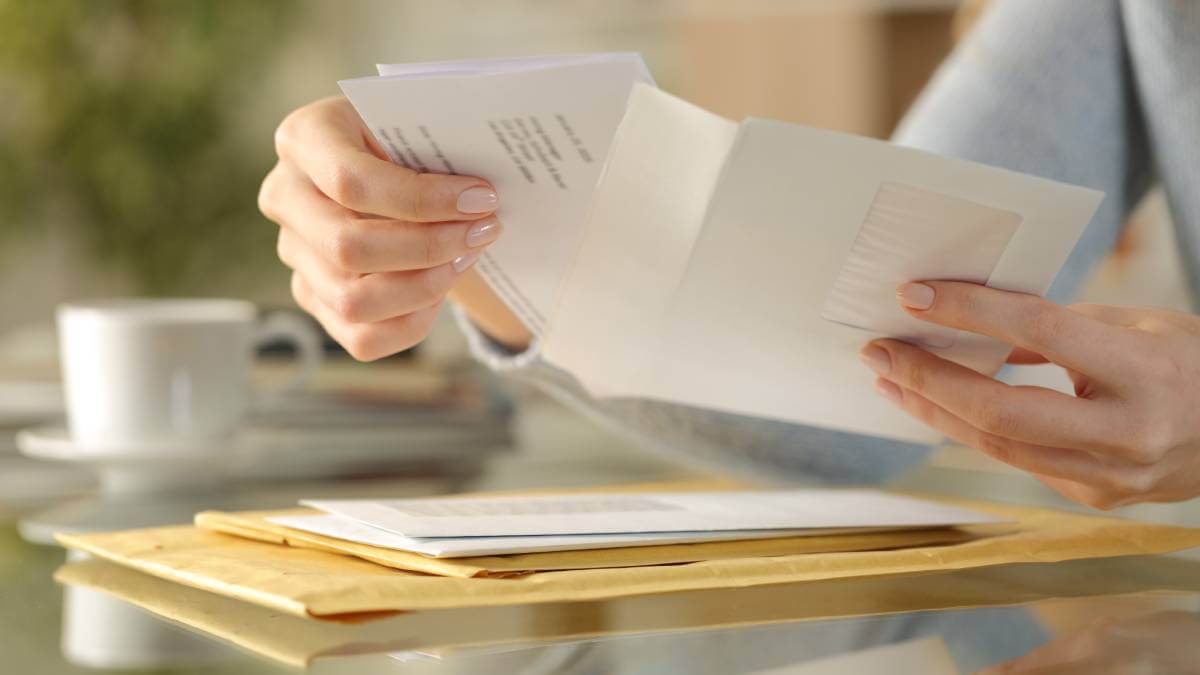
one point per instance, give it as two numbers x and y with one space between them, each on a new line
952 622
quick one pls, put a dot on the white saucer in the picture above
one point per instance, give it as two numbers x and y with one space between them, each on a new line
53 443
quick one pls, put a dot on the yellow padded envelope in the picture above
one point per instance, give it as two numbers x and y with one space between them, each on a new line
308 582
254 525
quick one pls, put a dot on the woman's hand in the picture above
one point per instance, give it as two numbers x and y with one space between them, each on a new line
1130 434
374 247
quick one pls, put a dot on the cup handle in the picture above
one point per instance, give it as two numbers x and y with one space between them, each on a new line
291 328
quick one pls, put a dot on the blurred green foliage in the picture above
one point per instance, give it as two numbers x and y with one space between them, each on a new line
121 119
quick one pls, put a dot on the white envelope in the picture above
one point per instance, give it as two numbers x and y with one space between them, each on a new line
348 529
648 512
713 250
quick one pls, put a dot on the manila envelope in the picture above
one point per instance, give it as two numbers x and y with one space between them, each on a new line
314 583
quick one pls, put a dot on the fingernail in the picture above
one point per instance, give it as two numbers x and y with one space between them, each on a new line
463 262
888 390
916 296
477 200
483 232
877 359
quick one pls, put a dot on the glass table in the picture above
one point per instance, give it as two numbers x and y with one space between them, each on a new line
1120 615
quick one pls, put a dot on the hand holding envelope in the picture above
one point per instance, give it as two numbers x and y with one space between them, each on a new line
1129 434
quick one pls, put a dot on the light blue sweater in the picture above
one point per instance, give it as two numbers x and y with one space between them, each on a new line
1100 93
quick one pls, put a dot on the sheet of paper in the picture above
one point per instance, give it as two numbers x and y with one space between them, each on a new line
348 529
538 129
650 512
733 319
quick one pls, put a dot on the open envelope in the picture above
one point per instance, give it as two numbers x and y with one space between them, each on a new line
741 267
308 582
300 642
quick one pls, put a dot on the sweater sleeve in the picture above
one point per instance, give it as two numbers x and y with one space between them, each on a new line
753 448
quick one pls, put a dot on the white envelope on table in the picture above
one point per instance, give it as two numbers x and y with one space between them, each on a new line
349 529
665 512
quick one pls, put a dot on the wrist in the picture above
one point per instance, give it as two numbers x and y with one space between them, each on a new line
489 313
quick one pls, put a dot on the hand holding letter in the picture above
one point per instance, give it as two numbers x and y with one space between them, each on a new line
374 246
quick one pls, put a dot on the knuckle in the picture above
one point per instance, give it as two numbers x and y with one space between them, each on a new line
297 289
996 447
1147 439
291 129
429 249
416 328
1160 366
285 133
994 419
350 303
268 195
443 243
1139 482
960 304
917 377
361 344
433 283
920 408
1043 326
347 248
345 185
1119 486
1100 500
281 249
420 203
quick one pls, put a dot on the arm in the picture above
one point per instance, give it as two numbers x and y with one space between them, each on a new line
1110 95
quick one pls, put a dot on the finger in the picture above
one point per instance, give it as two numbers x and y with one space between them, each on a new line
359 298
1067 338
1114 315
1022 356
1040 459
327 142
1087 495
353 243
1030 414
366 341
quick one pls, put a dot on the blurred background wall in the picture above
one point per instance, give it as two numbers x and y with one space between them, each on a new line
135 132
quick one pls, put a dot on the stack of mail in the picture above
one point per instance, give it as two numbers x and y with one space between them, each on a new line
512 535
453 528
249 557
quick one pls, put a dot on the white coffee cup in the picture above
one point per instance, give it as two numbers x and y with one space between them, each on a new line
173 372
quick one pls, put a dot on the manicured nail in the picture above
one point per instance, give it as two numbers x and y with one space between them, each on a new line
916 296
483 232
877 359
477 200
888 390
463 262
